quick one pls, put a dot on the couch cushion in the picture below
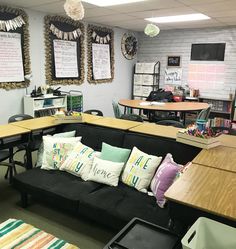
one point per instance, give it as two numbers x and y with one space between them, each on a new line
56 187
160 146
121 204
93 136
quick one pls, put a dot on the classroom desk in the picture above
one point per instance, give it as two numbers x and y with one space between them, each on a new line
10 130
116 123
228 140
208 189
36 123
156 130
86 118
220 157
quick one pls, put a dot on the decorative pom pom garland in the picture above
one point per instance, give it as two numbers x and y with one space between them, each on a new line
151 30
74 9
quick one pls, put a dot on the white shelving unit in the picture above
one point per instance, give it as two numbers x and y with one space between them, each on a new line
46 105
146 79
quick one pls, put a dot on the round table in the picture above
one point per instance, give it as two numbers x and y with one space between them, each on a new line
182 107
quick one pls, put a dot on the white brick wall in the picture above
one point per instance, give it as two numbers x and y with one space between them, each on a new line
178 42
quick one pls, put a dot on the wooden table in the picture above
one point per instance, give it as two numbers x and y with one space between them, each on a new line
208 189
36 123
220 157
228 140
10 130
156 130
182 107
116 123
90 118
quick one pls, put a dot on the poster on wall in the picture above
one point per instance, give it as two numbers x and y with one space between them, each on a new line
101 61
11 63
173 76
66 61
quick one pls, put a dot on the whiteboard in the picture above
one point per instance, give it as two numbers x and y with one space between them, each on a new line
65 57
11 62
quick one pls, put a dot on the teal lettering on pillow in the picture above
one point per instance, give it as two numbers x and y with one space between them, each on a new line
114 154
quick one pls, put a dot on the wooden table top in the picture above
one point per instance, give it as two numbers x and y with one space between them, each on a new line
206 188
9 130
36 123
169 106
156 130
89 117
220 157
228 140
116 123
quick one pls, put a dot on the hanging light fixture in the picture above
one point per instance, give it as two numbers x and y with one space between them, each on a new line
151 30
74 9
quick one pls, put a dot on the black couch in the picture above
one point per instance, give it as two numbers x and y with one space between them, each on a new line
112 206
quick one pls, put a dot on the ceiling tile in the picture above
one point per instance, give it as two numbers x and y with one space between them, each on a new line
218 6
146 5
163 12
98 11
193 2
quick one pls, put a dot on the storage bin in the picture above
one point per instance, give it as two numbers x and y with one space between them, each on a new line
38 104
209 234
58 102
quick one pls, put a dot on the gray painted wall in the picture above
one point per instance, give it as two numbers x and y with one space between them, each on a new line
178 42
98 96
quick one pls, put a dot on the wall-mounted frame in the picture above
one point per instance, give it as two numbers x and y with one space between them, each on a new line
14 48
64 45
173 61
100 54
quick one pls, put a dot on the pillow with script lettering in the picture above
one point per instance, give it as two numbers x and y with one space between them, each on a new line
139 169
105 172
56 150
80 160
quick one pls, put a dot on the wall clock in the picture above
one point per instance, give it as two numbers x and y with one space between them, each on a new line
129 46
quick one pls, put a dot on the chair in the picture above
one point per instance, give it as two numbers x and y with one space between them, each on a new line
94 112
4 155
32 145
204 114
171 123
117 113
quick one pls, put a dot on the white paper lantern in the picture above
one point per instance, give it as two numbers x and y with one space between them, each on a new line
74 9
151 30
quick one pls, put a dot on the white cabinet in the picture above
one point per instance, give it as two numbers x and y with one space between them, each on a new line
46 105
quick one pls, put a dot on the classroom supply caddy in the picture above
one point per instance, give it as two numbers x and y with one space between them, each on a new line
208 234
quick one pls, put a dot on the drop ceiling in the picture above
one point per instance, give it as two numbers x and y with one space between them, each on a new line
131 16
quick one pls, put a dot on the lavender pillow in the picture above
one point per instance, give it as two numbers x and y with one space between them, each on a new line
164 177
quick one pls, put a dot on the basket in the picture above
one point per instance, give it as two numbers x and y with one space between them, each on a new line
68 119
209 234
58 102
38 104
204 143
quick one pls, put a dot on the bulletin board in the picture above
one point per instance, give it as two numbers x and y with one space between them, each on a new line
64 45
14 48
100 54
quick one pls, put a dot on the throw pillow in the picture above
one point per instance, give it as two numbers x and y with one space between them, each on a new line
105 172
163 178
56 150
80 160
140 169
114 154
41 148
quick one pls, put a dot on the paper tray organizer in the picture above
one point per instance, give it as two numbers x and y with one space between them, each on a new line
140 234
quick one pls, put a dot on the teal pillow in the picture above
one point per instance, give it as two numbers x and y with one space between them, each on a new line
41 149
114 154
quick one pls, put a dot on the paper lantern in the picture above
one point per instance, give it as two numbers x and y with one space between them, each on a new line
151 30
74 9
